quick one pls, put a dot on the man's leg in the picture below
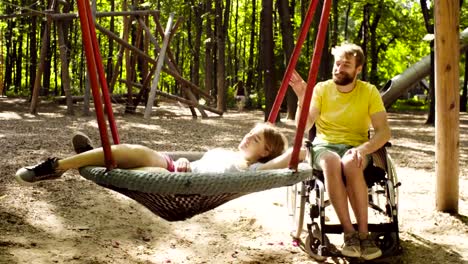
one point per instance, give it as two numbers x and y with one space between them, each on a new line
358 197
331 166
357 191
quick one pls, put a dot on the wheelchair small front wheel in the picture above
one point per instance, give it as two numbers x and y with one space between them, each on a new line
313 244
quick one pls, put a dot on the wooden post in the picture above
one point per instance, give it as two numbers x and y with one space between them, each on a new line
64 64
152 95
447 138
115 73
188 93
40 67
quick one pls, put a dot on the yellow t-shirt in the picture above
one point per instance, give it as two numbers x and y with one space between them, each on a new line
345 117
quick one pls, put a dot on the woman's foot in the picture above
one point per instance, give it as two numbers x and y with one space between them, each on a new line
46 170
81 142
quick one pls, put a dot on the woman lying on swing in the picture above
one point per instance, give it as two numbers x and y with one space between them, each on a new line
263 148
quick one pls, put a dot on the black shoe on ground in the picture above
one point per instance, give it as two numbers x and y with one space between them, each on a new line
46 170
81 143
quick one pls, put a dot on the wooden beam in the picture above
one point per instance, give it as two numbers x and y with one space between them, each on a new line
40 66
447 138
181 99
161 56
145 56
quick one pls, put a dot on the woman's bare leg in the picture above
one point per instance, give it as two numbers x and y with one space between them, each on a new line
126 156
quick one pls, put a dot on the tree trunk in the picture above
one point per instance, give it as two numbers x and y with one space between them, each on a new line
266 25
87 95
40 68
209 47
9 56
334 31
118 64
288 47
2 69
464 96
326 62
197 44
47 61
131 65
110 53
348 11
432 98
250 65
64 69
365 38
427 14
19 58
222 21
237 42
374 52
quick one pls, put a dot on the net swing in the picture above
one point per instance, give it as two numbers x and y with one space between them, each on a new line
178 196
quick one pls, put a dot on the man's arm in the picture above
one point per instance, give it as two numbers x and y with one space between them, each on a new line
299 86
311 117
381 134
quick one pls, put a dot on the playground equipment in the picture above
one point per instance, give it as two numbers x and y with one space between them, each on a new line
401 83
58 16
177 196
134 184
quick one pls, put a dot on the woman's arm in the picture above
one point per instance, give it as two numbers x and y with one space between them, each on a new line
282 161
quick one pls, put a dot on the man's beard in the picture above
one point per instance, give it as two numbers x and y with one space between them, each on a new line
344 79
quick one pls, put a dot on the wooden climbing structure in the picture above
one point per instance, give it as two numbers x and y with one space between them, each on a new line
136 54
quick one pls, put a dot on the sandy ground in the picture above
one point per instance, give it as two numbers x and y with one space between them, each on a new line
72 220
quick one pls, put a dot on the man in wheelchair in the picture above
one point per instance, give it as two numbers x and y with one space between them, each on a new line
342 110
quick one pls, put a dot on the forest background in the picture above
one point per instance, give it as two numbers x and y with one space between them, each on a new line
222 48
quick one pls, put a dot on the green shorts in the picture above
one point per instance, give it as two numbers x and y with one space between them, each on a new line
321 148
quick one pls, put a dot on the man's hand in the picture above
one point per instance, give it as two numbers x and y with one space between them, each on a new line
298 84
182 165
356 156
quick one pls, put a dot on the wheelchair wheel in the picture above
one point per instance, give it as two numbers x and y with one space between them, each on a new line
313 243
387 242
296 202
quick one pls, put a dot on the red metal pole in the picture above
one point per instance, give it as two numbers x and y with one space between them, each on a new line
92 72
102 75
314 67
292 61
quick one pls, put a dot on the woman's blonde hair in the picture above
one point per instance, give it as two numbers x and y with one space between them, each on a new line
275 141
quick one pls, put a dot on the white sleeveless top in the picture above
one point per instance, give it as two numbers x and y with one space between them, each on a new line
219 161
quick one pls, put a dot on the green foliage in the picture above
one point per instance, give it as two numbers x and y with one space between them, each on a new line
231 97
399 36
412 104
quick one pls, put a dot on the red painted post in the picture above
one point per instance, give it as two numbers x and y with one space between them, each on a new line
292 61
92 72
101 75
313 71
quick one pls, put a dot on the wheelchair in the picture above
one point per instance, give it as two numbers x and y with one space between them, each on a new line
307 206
